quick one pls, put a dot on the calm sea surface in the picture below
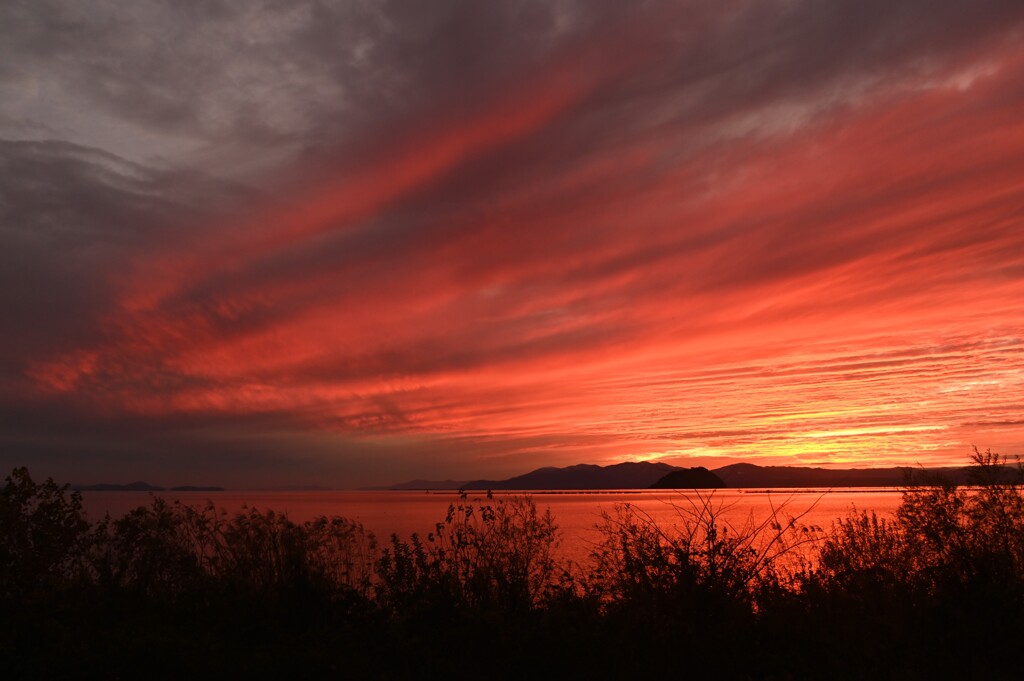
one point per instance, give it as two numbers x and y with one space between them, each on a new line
576 513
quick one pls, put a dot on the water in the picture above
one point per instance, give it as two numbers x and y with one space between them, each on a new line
576 513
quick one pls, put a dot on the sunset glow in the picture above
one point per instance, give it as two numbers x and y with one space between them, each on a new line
352 246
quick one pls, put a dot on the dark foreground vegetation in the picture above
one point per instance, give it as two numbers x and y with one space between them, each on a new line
170 591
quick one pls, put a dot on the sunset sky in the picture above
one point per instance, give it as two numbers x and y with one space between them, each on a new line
352 243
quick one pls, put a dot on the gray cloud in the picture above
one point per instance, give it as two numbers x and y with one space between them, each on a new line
233 81
71 218
240 88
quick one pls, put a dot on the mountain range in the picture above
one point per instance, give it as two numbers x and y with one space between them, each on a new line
142 487
645 474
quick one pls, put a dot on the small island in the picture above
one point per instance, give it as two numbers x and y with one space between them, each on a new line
690 478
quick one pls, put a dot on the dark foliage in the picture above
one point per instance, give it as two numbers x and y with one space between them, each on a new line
169 591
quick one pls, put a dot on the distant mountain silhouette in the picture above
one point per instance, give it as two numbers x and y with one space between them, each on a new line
690 478
110 487
425 485
751 475
632 475
583 476
142 487
642 475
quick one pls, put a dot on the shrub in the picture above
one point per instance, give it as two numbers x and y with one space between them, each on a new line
863 548
484 555
914 595
910 597
159 551
701 553
970 537
263 555
43 535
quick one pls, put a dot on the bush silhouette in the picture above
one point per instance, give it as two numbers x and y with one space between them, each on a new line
178 590
922 585
485 554
43 536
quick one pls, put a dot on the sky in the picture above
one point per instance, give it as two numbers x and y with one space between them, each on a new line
346 243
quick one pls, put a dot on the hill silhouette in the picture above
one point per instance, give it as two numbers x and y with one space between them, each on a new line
644 474
112 487
143 487
630 475
690 478
752 475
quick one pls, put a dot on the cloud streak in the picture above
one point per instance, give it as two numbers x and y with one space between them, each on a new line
501 235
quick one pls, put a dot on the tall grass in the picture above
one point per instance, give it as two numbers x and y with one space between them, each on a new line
912 596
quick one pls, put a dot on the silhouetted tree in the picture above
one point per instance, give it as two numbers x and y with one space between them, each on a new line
43 535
